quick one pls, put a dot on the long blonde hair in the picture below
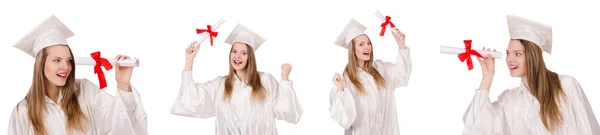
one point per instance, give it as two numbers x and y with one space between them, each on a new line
351 70
258 91
544 85
36 96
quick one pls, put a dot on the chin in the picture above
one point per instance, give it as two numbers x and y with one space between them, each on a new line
238 68
59 83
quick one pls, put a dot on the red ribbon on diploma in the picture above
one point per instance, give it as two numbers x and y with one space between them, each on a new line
467 54
97 70
209 31
384 24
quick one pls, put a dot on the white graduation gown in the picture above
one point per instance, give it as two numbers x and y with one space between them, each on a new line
375 112
239 116
106 115
516 112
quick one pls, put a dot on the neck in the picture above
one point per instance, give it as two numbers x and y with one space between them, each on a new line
524 80
52 92
361 64
241 74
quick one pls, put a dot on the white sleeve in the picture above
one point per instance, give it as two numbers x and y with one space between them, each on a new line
286 103
196 99
585 120
120 115
483 117
19 122
399 71
342 107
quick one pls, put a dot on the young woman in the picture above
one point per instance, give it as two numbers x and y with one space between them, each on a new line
246 101
363 102
545 103
59 104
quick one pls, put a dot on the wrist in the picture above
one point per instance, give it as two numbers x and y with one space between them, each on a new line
124 87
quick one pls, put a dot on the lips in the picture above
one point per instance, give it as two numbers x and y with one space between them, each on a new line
62 75
237 62
366 53
513 67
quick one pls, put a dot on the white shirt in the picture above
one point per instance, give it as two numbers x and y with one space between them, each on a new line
375 112
516 112
120 115
238 116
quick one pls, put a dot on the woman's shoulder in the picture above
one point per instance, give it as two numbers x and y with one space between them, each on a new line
21 108
264 76
567 79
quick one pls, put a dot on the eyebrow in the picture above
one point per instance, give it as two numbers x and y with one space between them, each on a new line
515 51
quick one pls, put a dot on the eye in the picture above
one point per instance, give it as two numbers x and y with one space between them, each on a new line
56 60
245 53
518 54
233 51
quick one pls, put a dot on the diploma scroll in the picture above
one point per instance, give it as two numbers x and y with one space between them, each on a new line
456 50
123 63
382 17
203 36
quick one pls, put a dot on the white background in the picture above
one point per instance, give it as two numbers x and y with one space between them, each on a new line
302 33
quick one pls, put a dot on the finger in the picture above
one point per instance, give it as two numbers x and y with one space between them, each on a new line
479 59
494 50
126 57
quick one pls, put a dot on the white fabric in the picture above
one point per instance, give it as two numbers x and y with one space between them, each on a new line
243 34
106 115
516 112
238 116
352 30
50 32
375 112
49 38
536 32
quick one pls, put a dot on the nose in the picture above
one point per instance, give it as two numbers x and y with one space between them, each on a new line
65 65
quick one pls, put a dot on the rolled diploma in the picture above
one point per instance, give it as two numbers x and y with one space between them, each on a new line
456 50
214 28
382 18
123 63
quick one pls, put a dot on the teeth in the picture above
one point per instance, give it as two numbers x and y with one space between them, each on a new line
62 75
514 67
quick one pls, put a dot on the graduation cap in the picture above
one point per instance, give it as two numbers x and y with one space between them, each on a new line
352 30
241 34
536 32
50 32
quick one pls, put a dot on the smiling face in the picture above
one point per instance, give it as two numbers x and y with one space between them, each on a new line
362 48
58 64
515 59
239 56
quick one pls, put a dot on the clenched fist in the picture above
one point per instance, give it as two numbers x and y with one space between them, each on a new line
339 82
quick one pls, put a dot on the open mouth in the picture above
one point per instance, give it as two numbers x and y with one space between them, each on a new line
62 75
513 67
237 62
366 53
